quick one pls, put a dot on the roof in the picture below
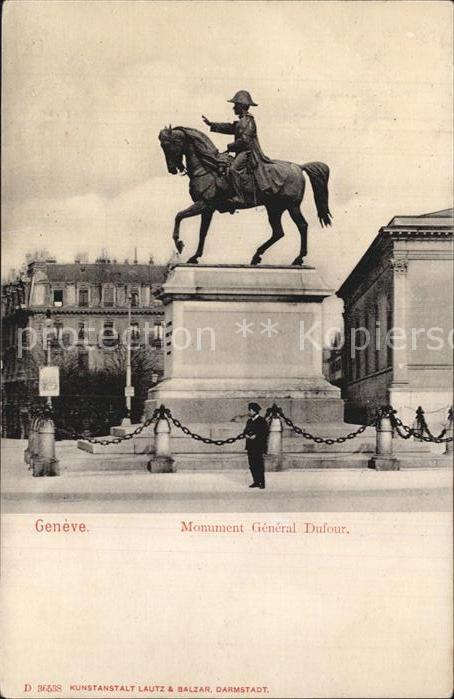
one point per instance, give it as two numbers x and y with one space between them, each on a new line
445 213
104 272
438 225
436 219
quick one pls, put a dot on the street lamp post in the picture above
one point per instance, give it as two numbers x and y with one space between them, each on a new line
128 388
48 352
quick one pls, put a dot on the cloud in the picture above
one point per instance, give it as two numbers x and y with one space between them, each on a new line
89 85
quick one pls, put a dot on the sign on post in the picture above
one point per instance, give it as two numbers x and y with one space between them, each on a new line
49 381
129 391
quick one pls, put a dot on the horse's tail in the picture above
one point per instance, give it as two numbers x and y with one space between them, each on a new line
319 175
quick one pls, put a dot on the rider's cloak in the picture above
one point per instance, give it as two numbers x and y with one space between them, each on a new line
268 173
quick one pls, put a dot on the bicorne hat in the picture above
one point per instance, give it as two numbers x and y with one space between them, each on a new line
243 97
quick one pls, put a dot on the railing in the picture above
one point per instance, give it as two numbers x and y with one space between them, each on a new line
386 422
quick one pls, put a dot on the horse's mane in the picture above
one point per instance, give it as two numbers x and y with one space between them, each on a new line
203 145
202 142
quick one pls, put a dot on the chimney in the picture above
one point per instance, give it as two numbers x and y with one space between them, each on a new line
135 256
36 265
81 257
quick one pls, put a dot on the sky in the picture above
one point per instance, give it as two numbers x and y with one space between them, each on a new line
365 87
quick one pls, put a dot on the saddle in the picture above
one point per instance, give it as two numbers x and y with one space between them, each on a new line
224 180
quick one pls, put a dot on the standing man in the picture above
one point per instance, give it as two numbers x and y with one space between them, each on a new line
256 435
249 157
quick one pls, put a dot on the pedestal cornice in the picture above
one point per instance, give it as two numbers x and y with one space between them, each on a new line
243 282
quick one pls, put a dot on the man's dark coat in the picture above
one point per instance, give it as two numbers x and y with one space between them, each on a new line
256 448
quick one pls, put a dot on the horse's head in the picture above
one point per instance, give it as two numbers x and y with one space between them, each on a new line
172 143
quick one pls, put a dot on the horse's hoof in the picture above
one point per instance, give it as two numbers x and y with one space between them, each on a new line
298 262
179 246
256 260
194 260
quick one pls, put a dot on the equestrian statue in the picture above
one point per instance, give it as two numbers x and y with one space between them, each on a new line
221 182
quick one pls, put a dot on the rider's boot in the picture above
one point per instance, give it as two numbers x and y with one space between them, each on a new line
235 203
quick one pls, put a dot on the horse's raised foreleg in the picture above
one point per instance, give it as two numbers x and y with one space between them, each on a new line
194 210
301 223
207 215
274 217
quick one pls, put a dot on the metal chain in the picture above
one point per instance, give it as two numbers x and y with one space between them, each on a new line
398 425
199 437
404 431
114 440
130 435
313 438
427 430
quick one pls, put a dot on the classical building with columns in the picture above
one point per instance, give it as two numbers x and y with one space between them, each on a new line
398 313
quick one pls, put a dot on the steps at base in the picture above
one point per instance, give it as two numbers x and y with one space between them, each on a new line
101 463
228 462
201 462
126 447
143 443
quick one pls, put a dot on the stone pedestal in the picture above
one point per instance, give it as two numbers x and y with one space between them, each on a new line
237 333
161 464
384 463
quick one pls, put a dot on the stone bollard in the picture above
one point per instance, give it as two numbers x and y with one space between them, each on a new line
273 458
418 424
162 461
449 449
45 462
29 449
33 442
383 460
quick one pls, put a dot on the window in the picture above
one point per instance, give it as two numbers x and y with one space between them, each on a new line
109 335
83 297
58 297
67 339
376 338
156 337
82 361
389 325
367 338
56 334
81 331
135 297
135 331
356 354
109 295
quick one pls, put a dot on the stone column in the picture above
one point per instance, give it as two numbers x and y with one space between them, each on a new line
400 353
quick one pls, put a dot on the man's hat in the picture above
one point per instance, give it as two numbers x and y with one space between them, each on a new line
255 407
243 97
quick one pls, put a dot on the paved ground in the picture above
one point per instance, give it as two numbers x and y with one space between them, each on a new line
99 490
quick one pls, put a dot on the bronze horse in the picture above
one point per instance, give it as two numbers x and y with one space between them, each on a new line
210 190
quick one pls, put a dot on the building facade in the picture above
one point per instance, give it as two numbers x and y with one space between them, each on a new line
398 312
333 361
80 312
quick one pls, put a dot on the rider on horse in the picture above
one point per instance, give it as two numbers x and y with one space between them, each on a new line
278 185
249 173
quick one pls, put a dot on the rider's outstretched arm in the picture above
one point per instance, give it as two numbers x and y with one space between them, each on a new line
222 127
